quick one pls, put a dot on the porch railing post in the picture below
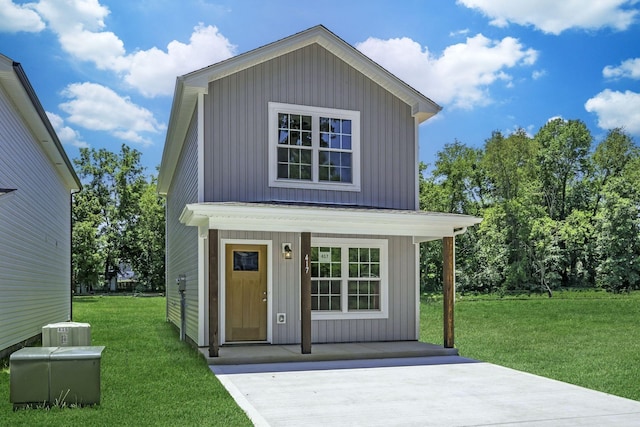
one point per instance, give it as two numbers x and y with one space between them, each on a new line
214 285
305 291
448 289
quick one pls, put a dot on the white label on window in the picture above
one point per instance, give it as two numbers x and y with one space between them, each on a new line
324 256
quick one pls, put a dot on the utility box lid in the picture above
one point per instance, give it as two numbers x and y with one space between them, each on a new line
32 353
64 334
77 353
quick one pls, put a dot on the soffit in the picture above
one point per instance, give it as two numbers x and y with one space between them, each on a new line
420 225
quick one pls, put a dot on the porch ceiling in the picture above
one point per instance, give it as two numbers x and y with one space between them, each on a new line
422 226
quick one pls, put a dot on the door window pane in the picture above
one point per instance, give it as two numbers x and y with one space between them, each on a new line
245 261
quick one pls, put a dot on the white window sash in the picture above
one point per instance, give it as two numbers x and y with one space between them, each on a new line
315 112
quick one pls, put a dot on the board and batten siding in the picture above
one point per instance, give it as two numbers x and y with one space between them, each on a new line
285 294
182 241
35 234
236 131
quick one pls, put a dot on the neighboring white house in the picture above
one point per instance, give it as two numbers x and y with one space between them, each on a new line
291 177
37 182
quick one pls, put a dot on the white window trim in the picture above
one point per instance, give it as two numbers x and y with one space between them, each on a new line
315 183
383 245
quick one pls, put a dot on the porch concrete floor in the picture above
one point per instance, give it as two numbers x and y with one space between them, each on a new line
238 354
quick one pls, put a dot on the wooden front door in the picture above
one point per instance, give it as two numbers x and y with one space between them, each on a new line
246 292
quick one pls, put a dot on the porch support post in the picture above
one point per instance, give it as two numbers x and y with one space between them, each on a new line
214 343
448 288
305 291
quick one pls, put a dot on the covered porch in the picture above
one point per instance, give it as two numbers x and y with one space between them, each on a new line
312 220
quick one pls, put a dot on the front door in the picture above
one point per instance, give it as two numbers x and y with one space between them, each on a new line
246 293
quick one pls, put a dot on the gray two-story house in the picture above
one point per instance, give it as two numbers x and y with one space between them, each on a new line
291 178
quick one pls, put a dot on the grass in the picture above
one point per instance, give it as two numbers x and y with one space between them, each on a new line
585 338
148 377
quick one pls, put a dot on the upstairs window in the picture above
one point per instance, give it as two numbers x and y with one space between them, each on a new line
311 147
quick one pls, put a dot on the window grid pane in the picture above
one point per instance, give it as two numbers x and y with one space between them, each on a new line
294 163
335 156
326 282
363 295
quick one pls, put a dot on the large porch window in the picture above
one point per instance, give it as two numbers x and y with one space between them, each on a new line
349 278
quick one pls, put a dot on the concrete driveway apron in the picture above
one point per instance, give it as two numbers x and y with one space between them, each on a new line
426 391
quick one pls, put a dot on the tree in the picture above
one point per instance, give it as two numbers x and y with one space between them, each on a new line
510 163
110 224
556 214
87 259
456 185
457 173
148 259
563 155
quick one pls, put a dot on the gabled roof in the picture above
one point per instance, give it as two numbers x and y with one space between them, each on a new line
190 85
16 84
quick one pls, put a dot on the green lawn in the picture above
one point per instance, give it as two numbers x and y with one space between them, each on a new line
149 377
586 338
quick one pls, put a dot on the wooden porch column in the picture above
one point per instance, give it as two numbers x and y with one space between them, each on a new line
305 292
448 288
214 275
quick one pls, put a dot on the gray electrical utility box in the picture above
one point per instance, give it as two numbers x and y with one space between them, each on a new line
65 334
50 375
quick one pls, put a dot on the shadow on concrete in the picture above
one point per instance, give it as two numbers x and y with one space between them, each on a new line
338 364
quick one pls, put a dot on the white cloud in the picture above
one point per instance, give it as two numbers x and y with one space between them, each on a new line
99 108
538 74
616 110
80 28
629 69
459 33
65 134
461 76
553 16
14 18
153 72
78 25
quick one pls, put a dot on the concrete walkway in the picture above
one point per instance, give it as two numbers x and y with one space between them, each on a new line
423 391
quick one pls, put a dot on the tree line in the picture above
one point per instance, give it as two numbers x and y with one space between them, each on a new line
559 211
118 221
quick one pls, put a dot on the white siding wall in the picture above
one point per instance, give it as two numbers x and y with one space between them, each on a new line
182 241
35 234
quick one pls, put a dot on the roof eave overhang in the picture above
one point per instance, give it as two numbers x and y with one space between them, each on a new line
17 85
182 109
422 226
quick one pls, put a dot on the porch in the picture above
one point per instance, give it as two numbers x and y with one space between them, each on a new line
263 353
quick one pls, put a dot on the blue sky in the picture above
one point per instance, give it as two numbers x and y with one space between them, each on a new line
105 70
